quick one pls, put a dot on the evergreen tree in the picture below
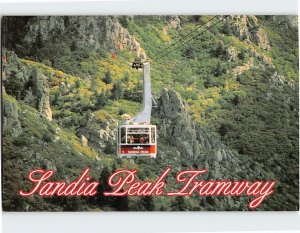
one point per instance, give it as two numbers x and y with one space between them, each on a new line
104 187
101 100
117 91
94 86
135 94
236 100
77 83
180 204
110 148
190 53
227 28
73 45
54 99
148 203
121 203
126 77
107 78
219 70
208 82
242 55
223 130
39 40
219 50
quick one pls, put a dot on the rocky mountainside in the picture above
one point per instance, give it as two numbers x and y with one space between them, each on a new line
27 84
227 102
95 31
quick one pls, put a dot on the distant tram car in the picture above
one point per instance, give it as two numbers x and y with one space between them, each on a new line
137 64
137 141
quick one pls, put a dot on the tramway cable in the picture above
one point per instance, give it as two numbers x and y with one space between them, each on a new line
187 35
192 38
136 136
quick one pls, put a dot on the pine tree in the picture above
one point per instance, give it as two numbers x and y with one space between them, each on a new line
236 100
121 203
101 100
180 204
227 29
148 203
77 83
107 78
126 77
39 40
117 91
208 82
242 55
104 187
110 148
219 70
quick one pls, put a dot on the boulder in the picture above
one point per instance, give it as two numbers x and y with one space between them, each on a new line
231 54
11 123
247 28
177 127
98 135
261 39
83 140
41 90
27 84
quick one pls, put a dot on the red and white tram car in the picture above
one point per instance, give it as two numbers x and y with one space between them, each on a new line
137 141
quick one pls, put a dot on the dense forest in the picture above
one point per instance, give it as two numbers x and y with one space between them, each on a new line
227 100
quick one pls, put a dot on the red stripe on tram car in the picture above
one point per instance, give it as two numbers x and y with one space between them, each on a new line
152 149
137 149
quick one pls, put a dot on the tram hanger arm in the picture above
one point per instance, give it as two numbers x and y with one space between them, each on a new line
145 115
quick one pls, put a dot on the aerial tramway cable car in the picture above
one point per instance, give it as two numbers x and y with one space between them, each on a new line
136 136
137 63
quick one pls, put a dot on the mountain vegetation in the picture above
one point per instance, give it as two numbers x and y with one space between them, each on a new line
231 94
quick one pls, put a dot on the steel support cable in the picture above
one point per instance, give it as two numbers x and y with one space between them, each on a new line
194 37
187 35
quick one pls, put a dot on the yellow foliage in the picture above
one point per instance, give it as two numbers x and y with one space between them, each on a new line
73 141
190 88
231 86
38 65
118 68
59 74
206 99
164 36
84 92
102 115
213 92
84 149
72 79
57 77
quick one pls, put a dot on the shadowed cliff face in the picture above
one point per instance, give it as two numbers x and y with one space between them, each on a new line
193 146
194 143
